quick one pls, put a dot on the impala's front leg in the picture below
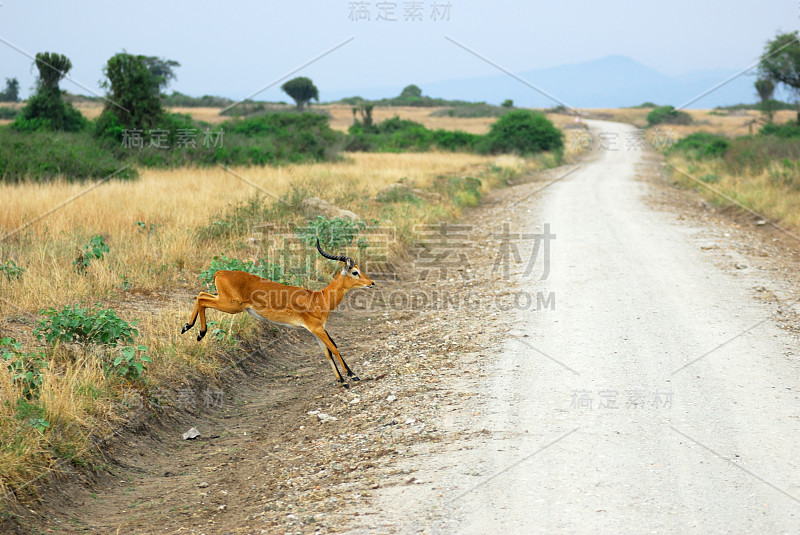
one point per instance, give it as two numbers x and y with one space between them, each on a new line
350 373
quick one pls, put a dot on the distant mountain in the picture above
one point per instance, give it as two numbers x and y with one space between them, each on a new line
609 82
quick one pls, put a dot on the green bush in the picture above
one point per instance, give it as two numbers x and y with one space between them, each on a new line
85 326
462 191
524 132
786 174
754 154
400 135
456 140
25 368
334 234
478 109
8 113
178 99
44 112
129 363
786 130
668 115
95 249
11 270
702 145
43 155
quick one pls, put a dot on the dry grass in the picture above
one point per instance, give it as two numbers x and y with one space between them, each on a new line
762 192
767 192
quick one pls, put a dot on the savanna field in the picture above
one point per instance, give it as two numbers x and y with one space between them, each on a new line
123 258
114 265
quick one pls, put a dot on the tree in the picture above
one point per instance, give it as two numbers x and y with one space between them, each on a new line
365 109
780 63
162 70
411 91
508 103
11 92
45 109
302 90
133 84
52 69
766 88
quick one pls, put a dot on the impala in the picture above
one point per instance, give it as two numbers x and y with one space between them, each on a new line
288 306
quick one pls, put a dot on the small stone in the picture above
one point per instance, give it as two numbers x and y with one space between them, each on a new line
191 434
391 397
324 418
203 485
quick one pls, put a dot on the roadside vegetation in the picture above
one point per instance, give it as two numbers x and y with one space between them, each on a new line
759 169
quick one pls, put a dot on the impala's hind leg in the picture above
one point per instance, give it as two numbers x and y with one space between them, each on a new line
206 300
195 311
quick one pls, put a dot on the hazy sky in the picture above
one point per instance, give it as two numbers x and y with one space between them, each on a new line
235 48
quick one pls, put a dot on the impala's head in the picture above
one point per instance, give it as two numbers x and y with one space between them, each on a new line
353 276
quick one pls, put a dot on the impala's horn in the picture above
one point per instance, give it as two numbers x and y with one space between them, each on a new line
341 258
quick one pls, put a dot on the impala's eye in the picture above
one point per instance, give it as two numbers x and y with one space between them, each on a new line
355 273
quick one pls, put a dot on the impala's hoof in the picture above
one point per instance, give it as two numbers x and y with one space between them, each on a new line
186 328
354 378
201 335
346 385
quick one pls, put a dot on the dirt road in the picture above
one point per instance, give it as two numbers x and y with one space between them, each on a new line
659 396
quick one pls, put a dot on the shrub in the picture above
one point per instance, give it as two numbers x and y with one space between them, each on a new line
26 368
786 130
455 140
479 109
129 363
668 115
94 250
43 155
754 154
524 132
85 326
334 234
11 270
785 173
396 135
702 145
8 113
45 112
463 191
